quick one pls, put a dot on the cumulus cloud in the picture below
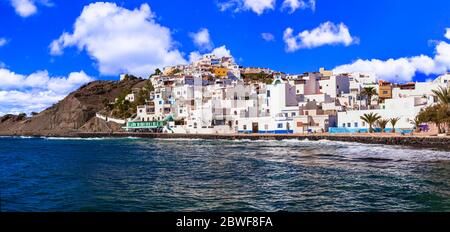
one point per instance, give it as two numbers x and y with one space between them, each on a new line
220 52
121 40
202 39
24 8
326 34
194 56
294 5
268 37
447 34
3 42
405 68
37 91
257 6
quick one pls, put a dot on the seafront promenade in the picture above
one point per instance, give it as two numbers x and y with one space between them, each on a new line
417 141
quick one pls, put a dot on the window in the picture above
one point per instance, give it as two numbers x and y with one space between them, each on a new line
160 102
349 125
364 124
268 93
343 124
181 111
356 124
293 114
245 127
266 127
385 92
280 125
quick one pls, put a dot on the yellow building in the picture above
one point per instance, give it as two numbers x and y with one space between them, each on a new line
220 72
326 73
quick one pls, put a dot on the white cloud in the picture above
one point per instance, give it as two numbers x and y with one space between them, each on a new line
37 91
268 37
3 42
257 6
219 52
24 8
312 5
262 6
202 39
121 40
294 5
447 34
326 34
194 56
222 51
229 4
405 68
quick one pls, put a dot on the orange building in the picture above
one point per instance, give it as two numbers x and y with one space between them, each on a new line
220 72
384 90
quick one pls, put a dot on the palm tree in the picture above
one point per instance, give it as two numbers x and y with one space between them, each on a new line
382 123
369 92
416 122
434 114
443 95
370 119
443 112
394 121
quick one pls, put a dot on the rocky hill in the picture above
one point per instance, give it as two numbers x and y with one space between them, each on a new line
75 113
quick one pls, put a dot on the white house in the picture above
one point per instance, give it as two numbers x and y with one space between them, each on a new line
404 108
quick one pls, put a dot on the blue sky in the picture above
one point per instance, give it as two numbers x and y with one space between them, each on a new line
345 35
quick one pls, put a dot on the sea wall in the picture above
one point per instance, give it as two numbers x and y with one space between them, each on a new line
413 141
110 119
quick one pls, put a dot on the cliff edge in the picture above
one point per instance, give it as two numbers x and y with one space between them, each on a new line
74 114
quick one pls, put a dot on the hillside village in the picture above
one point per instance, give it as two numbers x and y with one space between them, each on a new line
216 96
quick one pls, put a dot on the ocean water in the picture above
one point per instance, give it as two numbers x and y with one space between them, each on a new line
130 174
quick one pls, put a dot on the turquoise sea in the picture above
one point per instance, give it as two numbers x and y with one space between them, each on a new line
130 174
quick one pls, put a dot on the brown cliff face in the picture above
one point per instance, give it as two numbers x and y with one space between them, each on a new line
75 113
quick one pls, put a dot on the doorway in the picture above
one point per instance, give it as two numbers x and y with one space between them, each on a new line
255 128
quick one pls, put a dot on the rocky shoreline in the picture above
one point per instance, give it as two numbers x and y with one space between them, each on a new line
441 143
